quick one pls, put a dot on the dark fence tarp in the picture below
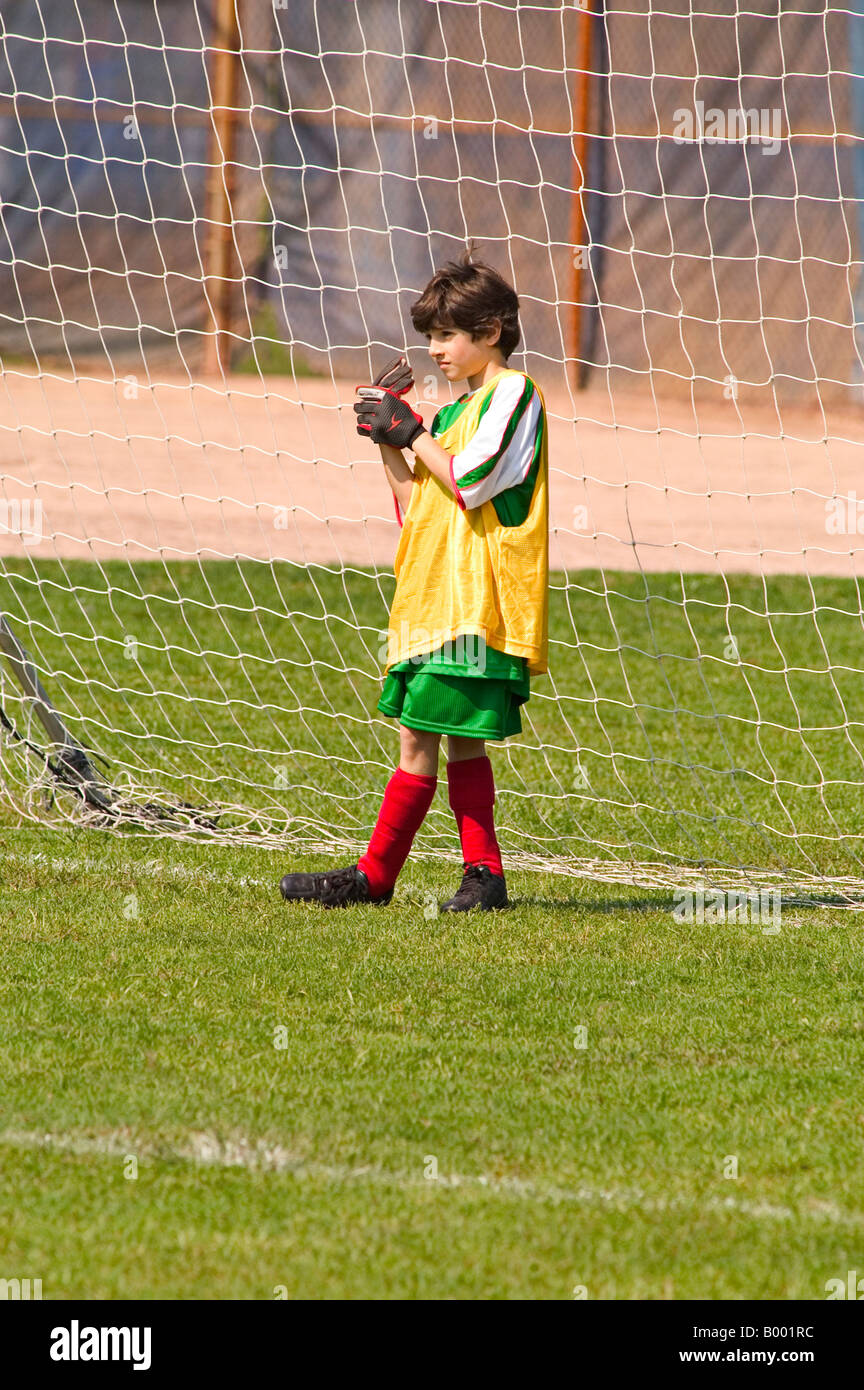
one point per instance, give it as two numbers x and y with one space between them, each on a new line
374 138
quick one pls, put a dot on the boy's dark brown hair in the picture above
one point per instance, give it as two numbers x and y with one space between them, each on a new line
469 295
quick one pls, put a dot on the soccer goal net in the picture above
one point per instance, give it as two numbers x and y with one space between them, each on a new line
214 219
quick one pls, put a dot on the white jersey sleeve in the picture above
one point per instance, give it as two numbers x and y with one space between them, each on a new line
500 453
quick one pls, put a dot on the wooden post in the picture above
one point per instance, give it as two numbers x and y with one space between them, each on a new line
219 259
579 235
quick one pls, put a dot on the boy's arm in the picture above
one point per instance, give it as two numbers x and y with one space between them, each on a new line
498 456
399 475
437 461
383 412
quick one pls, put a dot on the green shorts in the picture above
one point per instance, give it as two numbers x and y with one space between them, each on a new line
434 695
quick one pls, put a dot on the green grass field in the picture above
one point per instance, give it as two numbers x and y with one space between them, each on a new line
205 1093
250 685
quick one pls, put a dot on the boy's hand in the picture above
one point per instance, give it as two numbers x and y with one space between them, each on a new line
385 418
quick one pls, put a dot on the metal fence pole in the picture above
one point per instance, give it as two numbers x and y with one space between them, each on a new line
219 258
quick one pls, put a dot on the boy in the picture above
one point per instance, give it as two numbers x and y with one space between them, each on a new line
468 626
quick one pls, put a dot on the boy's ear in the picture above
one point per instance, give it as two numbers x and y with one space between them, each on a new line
493 333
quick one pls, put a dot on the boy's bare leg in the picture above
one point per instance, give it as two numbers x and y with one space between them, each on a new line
418 751
460 750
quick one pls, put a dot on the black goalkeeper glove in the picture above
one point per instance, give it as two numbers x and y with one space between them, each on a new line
385 418
397 376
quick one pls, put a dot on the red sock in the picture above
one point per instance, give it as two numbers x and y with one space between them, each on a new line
471 786
407 798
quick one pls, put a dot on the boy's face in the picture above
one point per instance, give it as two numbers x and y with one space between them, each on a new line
457 355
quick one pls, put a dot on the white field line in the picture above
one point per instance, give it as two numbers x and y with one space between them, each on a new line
201 1149
160 870
142 868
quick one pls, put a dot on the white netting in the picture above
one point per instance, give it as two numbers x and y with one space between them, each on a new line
214 219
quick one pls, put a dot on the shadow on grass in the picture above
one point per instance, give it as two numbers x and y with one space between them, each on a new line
798 902
596 904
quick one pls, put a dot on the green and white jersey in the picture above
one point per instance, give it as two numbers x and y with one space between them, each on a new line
500 461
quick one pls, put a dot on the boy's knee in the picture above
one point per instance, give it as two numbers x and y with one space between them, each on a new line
461 749
419 751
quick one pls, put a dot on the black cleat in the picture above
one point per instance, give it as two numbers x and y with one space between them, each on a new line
337 888
479 888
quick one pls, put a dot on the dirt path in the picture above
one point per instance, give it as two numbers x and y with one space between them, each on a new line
276 470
